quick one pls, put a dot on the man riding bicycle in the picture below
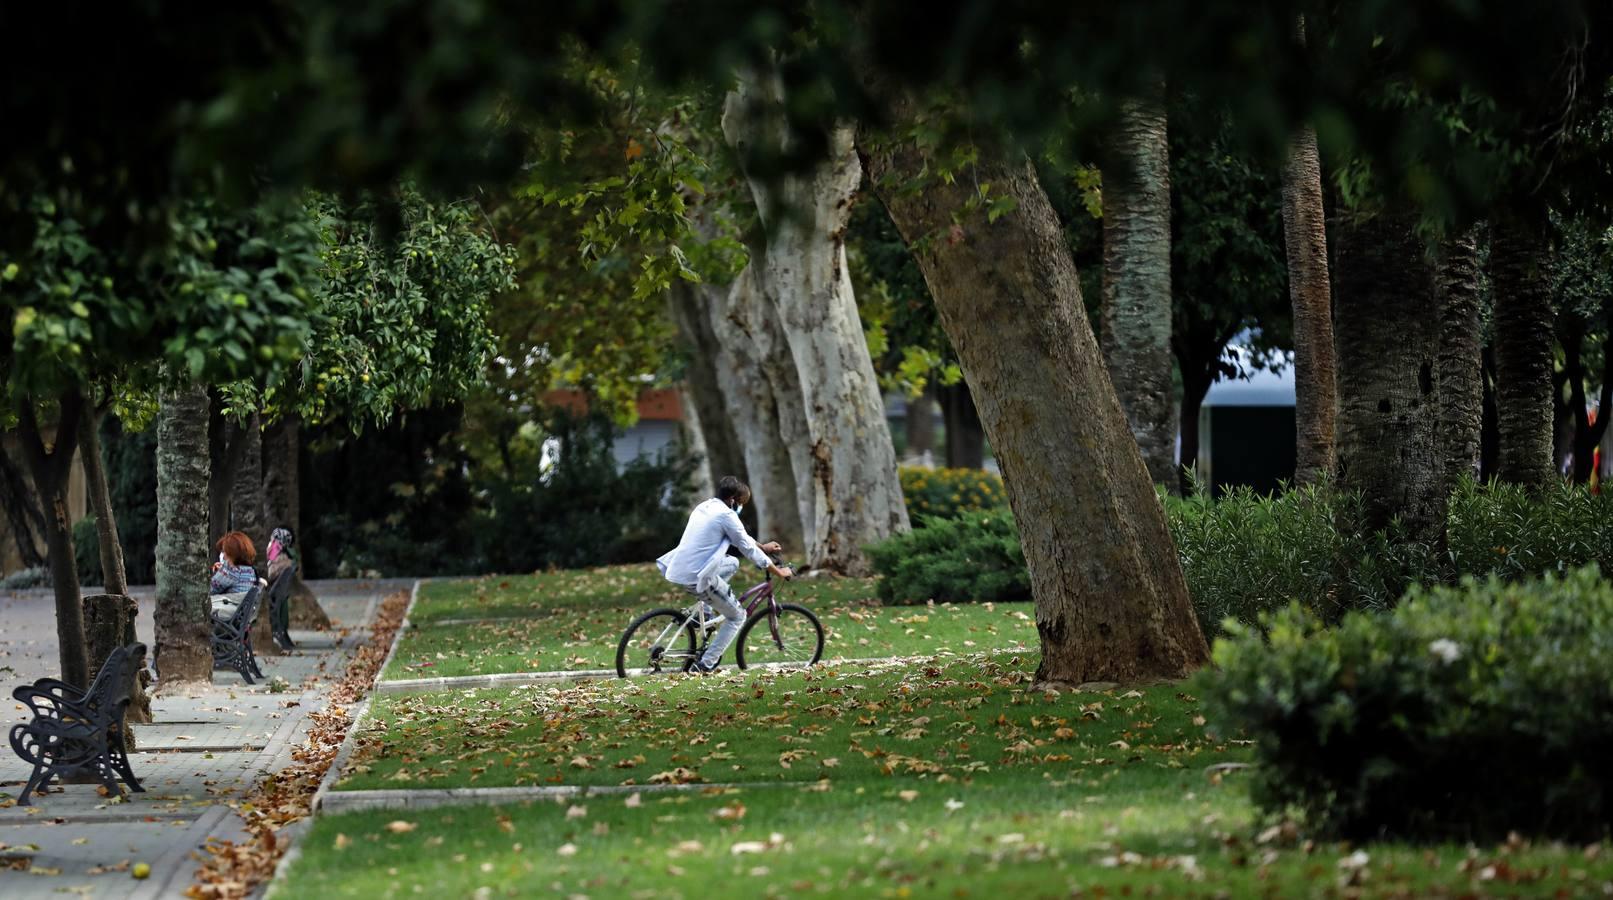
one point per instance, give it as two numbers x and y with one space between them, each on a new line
700 564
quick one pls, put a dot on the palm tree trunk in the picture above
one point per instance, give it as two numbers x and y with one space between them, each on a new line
184 654
1388 343
1524 345
1461 372
1310 292
1137 281
1009 299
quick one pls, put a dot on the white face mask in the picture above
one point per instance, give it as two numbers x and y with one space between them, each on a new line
739 509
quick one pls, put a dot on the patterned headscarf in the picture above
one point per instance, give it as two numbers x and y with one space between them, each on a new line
280 540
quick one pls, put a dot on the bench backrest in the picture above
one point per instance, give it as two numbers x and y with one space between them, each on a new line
115 682
248 608
280 588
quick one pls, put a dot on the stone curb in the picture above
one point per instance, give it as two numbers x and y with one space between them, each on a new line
517 679
297 830
357 801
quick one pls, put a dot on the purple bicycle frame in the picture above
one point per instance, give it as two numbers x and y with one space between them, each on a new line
754 597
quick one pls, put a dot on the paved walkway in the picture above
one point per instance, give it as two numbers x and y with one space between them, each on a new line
207 749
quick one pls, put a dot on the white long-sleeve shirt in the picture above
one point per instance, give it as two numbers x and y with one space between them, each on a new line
713 527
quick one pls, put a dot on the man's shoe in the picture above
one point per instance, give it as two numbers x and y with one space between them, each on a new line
699 668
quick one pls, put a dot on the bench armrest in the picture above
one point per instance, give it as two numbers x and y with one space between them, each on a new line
47 703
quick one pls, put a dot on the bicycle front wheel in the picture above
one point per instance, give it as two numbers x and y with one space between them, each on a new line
786 637
659 642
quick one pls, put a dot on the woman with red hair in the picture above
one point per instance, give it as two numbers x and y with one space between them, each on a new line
233 574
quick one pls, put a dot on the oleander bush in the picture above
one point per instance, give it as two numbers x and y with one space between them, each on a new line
1464 713
974 557
947 493
1245 554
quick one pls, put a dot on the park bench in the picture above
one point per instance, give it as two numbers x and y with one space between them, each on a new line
280 608
232 637
76 731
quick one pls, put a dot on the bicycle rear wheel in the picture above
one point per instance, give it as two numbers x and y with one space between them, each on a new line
660 642
790 638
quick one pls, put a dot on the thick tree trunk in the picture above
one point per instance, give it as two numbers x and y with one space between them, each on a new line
1310 292
1137 281
184 654
22 513
1461 372
114 578
690 305
1524 344
227 442
51 469
1111 602
1388 344
966 437
282 505
693 432
749 348
920 424
841 452
246 498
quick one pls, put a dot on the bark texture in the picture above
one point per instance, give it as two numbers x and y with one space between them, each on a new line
1388 337
22 512
108 625
114 579
51 467
1111 602
183 551
246 498
1524 345
1461 374
690 305
1310 293
756 388
1137 281
839 441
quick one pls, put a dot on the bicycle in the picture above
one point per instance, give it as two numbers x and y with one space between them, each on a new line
664 641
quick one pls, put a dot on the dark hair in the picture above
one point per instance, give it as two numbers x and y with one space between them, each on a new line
238 549
731 488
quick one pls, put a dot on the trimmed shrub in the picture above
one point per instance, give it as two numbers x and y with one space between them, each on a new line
1463 713
975 557
947 493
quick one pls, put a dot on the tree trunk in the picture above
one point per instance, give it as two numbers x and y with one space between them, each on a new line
966 437
845 465
920 424
108 625
1111 602
184 654
1461 371
1388 344
114 578
1195 387
1137 281
227 442
22 513
1524 345
693 431
1309 290
282 507
51 469
246 498
690 306
751 339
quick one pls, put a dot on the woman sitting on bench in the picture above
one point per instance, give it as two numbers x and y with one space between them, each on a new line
233 575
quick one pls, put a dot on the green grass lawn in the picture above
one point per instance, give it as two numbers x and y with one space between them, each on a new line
952 717
571 620
939 778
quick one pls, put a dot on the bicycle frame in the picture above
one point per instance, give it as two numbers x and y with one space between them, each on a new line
750 602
